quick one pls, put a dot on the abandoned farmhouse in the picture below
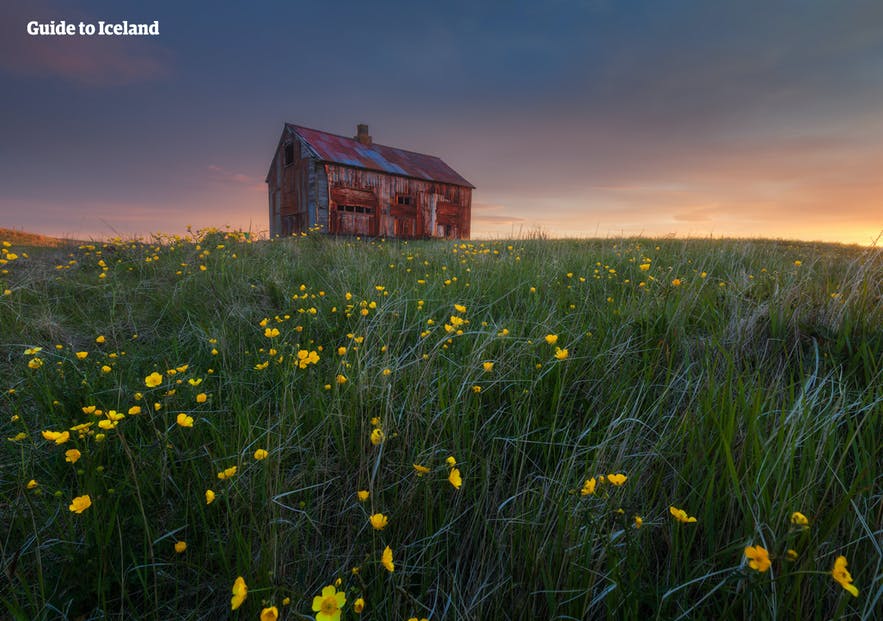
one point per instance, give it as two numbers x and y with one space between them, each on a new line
352 186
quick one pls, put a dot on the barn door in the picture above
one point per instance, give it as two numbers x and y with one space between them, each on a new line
355 220
446 217
405 220
354 212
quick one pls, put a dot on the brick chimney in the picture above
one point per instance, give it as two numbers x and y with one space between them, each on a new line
362 134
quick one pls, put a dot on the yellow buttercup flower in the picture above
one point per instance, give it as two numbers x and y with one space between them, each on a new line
451 461
209 496
676 282
72 455
842 576
359 606
153 380
589 487
454 478
201 397
362 495
271 333
798 519
329 604
421 470
341 379
680 515
759 558
487 366
459 308
377 436
228 473
240 592
378 521
81 355
386 560
184 421
32 484
305 358
270 614
616 479
180 547
80 504
639 521
561 354
59 437
260 454
551 339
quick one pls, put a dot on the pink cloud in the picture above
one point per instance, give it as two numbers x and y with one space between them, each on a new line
223 175
698 214
487 213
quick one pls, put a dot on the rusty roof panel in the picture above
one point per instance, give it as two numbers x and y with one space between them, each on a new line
350 152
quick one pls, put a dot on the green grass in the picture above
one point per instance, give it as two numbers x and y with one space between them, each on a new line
751 390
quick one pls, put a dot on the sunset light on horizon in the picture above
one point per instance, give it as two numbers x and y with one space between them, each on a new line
571 118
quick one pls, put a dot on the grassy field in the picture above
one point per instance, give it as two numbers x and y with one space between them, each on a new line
547 429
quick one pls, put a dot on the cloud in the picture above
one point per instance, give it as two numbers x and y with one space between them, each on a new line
222 175
487 213
701 214
93 61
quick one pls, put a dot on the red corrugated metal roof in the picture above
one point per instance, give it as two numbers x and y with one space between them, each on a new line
350 152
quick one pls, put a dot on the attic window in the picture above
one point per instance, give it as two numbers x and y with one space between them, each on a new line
404 199
289 153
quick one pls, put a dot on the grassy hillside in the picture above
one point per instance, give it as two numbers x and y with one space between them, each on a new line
23 238
536 422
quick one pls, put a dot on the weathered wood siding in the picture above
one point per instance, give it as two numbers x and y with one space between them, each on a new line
288 187
345 200
435 209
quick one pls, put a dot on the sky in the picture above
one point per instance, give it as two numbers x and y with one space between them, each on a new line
574 118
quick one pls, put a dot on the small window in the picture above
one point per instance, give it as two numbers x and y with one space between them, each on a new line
404 199
355 209
289 153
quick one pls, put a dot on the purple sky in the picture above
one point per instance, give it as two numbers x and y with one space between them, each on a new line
577 117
